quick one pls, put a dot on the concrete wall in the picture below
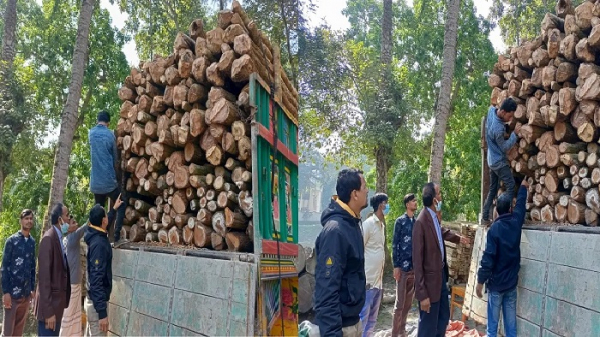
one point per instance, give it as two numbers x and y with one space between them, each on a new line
559 283
156 294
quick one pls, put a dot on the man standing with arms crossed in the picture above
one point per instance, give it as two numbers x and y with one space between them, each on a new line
373 230
496 155
429 263
403 265
103 180
501 262
18 276
99 269
340 271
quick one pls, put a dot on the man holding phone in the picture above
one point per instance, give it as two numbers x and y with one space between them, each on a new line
99 269
103 179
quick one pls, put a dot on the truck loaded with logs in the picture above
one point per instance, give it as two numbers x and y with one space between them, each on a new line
208 140
555 79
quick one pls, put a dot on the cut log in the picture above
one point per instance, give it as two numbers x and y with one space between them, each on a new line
578 194
245 203
592 199
137 233
181 220
551 181
214 155
188 235
175 236
238 242
235 220
587 132
595 178
218 223
202 236
180 202
205 217
590 89
217 241
151 237
547 214
536 214
163 236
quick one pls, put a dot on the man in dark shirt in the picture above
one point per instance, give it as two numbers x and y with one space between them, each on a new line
501 262
18 276
103 177
99 269
403 268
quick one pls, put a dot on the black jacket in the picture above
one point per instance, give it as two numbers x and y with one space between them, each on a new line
502 256
340 288
99 269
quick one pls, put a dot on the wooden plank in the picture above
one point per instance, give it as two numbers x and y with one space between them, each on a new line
565 319
124 262
205 276
151 300
142 325
529 306
526 328
532 275
567 249
156 268
175 330
117 319
534 244
122 292
574 285
199 313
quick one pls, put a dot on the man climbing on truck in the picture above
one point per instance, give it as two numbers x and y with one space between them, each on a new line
497 148
501 262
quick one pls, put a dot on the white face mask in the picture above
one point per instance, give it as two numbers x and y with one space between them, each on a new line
438 207
64 228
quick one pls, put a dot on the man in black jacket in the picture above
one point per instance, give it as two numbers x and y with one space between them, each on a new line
99 269
340 272
501 261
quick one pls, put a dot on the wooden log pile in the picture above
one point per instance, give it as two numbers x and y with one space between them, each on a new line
306 263
184 135
555 80
459 255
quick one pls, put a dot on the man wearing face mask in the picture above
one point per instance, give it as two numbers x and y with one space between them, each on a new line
498 147
340 272
373 230
54 288
72 235
429 264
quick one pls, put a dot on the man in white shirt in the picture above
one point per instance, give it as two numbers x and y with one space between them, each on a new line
373 230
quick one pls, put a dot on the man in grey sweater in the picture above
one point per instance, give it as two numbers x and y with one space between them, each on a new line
71 321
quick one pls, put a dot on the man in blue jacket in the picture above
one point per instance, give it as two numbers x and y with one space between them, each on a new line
99 269
501 261
497 149
103 177
340 271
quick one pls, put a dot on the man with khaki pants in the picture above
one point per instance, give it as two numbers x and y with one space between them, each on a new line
403 267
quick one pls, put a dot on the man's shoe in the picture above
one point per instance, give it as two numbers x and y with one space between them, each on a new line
120 243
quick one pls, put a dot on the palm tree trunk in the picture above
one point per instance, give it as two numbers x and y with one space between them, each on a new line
8 55
442 110
70 112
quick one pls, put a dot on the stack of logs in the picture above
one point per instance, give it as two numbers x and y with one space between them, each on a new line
184 135
306 264
555 80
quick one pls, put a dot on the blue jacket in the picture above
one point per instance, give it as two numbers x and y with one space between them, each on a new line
402 243
103 150
494 137
99 267
340 288
502 256
18 266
